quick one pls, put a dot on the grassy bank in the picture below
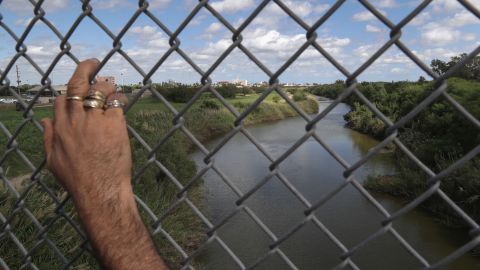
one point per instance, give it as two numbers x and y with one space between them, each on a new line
206 120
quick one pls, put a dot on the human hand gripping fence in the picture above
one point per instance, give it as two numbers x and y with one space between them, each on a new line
38 179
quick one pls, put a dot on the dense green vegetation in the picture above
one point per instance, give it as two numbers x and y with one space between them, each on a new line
207 119
183 93
438 136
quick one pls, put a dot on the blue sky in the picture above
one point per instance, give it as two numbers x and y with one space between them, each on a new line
351 35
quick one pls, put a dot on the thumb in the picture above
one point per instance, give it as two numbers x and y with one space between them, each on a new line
47 135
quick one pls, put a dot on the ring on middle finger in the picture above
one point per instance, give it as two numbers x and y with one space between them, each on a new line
95 99
93 103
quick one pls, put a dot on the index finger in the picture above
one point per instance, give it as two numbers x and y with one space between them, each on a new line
79 84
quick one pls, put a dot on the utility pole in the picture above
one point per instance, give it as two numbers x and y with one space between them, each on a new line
18 79
123 82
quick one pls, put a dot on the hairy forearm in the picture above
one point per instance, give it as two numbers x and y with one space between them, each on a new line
116 231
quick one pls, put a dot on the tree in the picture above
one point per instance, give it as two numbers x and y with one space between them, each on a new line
227 90
246 91
469 71
439 66
422 79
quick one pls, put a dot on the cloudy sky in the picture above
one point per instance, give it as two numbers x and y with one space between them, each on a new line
351 35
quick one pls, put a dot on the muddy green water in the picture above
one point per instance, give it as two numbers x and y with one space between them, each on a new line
314 173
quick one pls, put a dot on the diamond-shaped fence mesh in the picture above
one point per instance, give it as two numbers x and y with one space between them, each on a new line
46 225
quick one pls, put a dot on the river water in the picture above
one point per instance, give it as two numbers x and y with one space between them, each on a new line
314 173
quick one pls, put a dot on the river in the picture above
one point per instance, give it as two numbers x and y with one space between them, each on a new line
315 173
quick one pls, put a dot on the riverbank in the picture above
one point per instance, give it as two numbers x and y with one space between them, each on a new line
438 136
207 119
276 206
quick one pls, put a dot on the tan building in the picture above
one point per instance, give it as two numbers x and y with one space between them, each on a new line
61 89
46 96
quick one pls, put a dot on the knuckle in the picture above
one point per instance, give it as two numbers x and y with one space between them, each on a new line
76 83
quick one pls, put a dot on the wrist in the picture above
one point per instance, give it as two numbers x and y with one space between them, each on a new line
103 200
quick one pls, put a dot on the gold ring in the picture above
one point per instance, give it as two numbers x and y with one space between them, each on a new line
96 93
75 98
93 103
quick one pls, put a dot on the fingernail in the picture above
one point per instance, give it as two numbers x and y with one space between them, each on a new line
94 59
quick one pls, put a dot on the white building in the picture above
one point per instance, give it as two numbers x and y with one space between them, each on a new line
239 82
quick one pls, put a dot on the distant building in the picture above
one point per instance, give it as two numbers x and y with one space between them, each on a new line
260 84
109 79
239 82
61 90
46 96
223 83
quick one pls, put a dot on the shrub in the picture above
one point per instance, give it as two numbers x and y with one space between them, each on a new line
177 93
276 99
210 104
299 96
240 105
227 90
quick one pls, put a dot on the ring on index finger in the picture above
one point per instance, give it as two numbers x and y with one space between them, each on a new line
75 98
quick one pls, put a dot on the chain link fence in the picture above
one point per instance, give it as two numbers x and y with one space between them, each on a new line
62 211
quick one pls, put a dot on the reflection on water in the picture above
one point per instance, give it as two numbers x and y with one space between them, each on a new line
314 173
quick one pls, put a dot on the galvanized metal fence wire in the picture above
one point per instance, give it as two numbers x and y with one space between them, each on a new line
37 180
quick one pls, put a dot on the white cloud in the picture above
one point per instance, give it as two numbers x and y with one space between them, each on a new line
149 38
434 33
108 4
394 58
421 18
448 6
145 30
321 8
271 46
273 16
366 16
364 51
463 18
214 27
334 42
396 70
387 3
303 8
436 53
49 6
158 3
262 40
372 28
23 22
469 37
40 51
231 6
445 5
